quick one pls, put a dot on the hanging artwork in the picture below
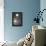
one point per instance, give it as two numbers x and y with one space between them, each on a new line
16 18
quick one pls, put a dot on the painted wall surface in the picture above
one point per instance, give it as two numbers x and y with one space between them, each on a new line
28 7
43 6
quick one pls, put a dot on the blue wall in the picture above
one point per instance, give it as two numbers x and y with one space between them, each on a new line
43 6
28 7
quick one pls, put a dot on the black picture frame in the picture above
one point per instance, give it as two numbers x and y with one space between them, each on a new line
16 18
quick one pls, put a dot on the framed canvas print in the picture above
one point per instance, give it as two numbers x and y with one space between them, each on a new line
16 18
